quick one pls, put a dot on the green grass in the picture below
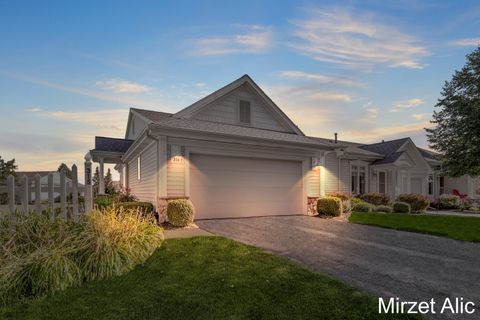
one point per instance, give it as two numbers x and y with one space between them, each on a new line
459 228
207 278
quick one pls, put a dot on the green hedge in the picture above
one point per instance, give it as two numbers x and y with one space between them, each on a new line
180 213
362 207
329 206
417 202
401 207
375 198
382 208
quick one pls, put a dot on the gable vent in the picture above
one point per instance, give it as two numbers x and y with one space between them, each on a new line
244 112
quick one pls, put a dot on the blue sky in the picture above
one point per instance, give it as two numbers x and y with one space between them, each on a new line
369 70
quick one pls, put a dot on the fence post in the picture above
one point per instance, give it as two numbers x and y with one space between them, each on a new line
51 199
88 183
74 192
63 195
25 195
11 194
38 194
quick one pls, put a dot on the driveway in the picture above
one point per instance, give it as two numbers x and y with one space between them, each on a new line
387 263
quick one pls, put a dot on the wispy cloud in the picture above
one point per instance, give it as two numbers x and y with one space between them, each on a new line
255 39
311 93
112 120
387 132
320 78
406 104
129 100
419 116
354 39
33 110
122 86
466 42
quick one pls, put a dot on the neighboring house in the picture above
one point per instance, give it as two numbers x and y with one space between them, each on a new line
235 153
44 183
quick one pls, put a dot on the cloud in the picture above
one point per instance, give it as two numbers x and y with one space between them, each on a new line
320 78
389 132
466 42
419 116
311 93
122 86
354 39
406 104
256 39
33 110
124 100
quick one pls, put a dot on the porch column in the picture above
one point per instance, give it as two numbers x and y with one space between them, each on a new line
101 178
122 177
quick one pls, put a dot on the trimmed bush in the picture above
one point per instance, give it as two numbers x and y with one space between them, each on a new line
362 207
375 198
329 206
401 207
180 213
382 208
145 207
103 202
345 197
417 202
448 201
356 200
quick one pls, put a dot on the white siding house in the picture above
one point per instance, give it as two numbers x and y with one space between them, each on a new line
235 153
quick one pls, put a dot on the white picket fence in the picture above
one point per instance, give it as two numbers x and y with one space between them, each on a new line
64 208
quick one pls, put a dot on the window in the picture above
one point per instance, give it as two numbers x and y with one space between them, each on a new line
358 179
244 112
442 185
139 168
382 182
430 185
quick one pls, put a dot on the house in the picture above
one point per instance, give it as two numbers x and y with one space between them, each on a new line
44 183
235 153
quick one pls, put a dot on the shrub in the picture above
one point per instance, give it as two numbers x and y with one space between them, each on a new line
375 198
345 197
382 208
125 195
145 207
330 206
180 212
448 201
356 200
417 202
362 207
43 256
103 202
401 207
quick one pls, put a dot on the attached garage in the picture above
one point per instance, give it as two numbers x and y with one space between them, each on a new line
226 187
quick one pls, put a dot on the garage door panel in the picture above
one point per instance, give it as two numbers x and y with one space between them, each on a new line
241 187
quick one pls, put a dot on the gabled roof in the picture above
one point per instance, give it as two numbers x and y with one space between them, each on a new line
239 131
389 149
429 154
112 144
151 115
191 110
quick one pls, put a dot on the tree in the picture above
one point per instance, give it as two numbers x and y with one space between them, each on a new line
109 186
456 134
68 171
6 168
96 181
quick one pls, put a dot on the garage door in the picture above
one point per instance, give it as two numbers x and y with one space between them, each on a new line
225 187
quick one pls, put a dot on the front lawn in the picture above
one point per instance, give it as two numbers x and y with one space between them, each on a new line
207 278
459 228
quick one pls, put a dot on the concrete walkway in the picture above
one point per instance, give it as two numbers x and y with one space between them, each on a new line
452 213
186 233
384 262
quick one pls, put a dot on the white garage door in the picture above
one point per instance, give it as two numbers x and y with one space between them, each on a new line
225 187
416 185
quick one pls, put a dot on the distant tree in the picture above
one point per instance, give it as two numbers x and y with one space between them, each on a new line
6 168
109 186
68 171
456 134
96 181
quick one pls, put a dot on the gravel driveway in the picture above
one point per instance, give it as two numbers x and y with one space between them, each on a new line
387 263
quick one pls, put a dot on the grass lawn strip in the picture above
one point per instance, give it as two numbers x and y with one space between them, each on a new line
207 278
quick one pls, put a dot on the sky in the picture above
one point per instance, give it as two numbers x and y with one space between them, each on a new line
369 70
